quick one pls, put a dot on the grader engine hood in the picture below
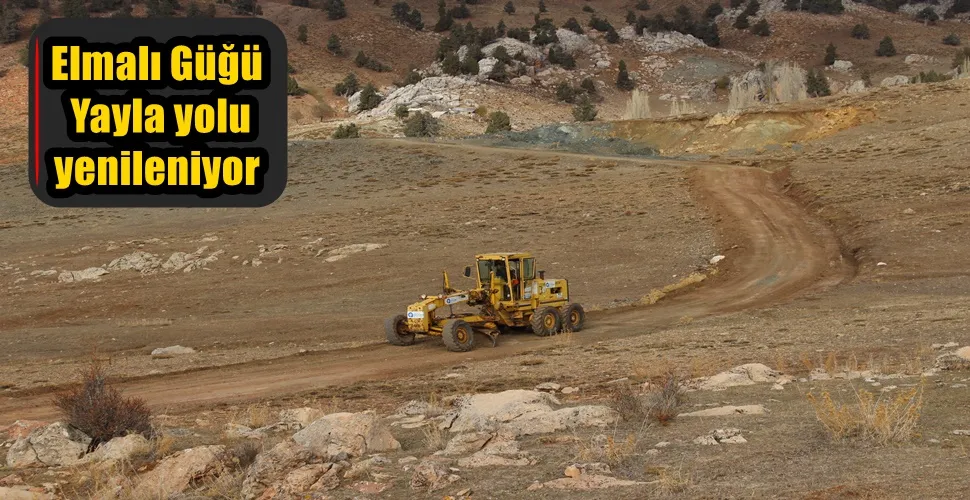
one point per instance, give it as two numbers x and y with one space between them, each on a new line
420 314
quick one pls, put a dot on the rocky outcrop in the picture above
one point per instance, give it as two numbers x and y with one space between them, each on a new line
52 445
514 47
435 93
183 470
749 374
525 413
894 81
353 434
271 466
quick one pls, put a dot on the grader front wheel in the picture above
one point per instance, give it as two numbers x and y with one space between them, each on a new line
458 336
395 329
573 318
546 321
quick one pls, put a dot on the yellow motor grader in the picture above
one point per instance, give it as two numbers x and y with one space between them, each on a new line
508 294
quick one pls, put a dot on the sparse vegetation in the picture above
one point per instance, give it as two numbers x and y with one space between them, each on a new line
928 15
643 5
401 111
929 77
421 124
301 34
99 410
960 58
509 8
346 131
951 39
665 397
498 121
558 55
741 22
860 32
882 420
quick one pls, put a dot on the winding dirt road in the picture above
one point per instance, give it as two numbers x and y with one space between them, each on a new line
778 250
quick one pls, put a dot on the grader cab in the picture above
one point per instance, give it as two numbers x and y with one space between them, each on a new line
509 293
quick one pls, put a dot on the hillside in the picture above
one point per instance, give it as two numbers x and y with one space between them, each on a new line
667 66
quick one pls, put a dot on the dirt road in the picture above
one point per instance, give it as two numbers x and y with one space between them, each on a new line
777 250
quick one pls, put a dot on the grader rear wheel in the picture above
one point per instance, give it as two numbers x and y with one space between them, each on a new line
395 329
573 318
546 321
458 336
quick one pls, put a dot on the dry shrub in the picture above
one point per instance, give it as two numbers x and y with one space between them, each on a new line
884 419
665 398
661 403
101 411
253 416
609 449
434 437
670 480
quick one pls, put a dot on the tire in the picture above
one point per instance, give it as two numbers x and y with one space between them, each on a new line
573 318
458 335
395 329
546 321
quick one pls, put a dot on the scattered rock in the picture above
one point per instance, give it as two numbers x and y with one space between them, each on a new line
52 445
894 81
584 482
748 374
548 387
119 449
239 431
962 432
431 476
23 493
917 59
171 352
721 436
722 411
298 418
346 251
91 273
143 262
182 470
352 433
271 466
717 258
856 87
370 487
909 211
666 42
463 444
573 42
21 429
514 47
956 360
569 390
500 451
525 413
841 66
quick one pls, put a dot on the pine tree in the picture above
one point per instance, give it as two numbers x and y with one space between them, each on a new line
830 55
542 7
369 98
816 84
445 21
886 48
74 9
631 18
9 23
333 45
623 81
761 28
301 35
741 22
585 111
300 3
713 10
510 8
860 32
335 9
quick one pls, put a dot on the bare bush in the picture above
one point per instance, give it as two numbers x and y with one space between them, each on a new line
434 437
882 420
666 396
101 411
